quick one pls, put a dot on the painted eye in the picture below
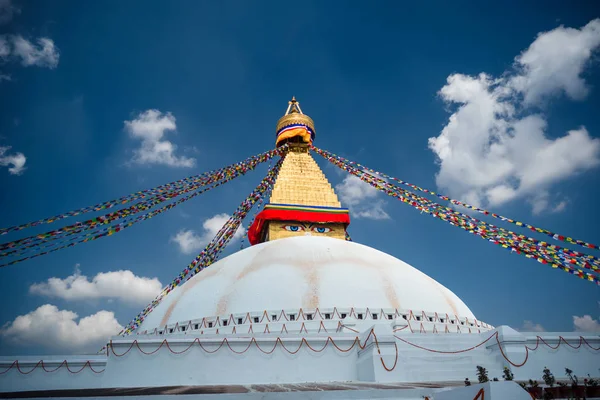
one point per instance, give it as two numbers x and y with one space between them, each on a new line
321 229
293 228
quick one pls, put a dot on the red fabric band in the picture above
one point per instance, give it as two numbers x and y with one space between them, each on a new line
254 232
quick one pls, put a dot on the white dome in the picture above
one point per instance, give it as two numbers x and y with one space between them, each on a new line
305 272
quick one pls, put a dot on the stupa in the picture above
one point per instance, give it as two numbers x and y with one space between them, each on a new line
306 312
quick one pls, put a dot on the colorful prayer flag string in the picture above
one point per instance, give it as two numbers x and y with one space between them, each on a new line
64 241
556 256
546 232
518 239
77 228
143 193
242 168
109 231
212 251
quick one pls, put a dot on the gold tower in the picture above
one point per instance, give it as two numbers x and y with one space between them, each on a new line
302 201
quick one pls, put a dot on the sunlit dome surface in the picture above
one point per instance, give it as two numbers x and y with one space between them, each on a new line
305 272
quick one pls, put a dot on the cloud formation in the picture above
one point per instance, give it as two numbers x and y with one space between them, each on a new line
361 198
7 11
150 127
59 329
494 147
529 326
15 162
121 285
190 242
586 324
43 54
554 62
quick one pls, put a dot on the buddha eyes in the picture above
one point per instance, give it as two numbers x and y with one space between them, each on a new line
299 228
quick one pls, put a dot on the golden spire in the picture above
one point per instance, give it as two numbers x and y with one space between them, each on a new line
301 181
295 126
302 201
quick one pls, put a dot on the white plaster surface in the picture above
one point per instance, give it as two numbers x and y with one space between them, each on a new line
429 358
304 272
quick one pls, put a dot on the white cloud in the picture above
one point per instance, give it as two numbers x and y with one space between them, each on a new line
189 242
494 148
122 285
16 48
586 324
4 47
17 160
7 11
44 54
529 326
150 126
361 198
560 206
58 329
554 63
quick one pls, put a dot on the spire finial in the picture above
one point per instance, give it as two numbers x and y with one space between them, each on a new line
293 107
295 123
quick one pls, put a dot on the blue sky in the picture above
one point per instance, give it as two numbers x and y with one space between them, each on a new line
376 81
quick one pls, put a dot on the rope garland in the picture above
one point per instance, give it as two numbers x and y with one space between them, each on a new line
305 343
547 232
213 249
278 342
143 193
495 335
40 364
554 255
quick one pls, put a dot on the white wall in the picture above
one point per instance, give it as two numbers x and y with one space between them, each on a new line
425 358
198 367
38 379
